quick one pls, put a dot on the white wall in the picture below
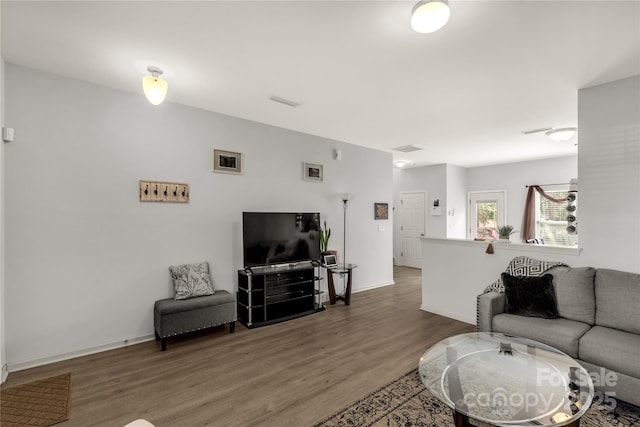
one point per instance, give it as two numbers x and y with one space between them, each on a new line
432 181
3 372
514 177
454 273
456 202
451 185
85 260
609 174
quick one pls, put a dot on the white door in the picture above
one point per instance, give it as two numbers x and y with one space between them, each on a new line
412 227
486 213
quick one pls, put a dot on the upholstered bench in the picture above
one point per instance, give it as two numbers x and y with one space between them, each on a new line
174 317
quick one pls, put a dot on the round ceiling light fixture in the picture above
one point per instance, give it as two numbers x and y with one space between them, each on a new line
400 163
155 88
430 15
562 134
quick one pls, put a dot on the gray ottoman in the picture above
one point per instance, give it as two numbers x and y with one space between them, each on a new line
174 317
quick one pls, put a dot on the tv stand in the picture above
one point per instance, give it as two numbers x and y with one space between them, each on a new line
275 293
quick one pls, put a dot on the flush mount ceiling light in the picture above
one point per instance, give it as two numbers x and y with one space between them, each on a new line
430 15
556 134
155 88
400 163
562 134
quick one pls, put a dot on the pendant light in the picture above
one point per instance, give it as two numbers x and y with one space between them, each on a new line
430 15
155 88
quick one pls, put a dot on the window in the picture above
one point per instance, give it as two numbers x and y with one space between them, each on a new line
551 218
487 212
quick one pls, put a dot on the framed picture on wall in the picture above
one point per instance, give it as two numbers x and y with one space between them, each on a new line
226 161
381 211
312 172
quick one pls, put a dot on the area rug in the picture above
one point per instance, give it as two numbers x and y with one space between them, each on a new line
406 402
39 403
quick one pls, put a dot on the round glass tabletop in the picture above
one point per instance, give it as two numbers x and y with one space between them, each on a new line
342 268
500 379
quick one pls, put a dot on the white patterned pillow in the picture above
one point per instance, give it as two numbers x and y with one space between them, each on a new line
191 280
523 266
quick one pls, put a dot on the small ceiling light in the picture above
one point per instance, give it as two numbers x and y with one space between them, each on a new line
155 88
400 163
562 134
430 15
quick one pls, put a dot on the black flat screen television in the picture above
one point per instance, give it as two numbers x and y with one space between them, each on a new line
280 237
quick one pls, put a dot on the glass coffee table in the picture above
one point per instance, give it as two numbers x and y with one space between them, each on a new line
505 381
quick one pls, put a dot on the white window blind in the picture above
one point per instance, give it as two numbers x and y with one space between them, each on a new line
551 218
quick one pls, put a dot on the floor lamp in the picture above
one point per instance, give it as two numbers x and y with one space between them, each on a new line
345 197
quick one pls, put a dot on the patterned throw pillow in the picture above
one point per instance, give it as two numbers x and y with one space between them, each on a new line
523 266
191 280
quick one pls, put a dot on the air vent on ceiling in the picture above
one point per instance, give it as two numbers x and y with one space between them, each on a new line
407 148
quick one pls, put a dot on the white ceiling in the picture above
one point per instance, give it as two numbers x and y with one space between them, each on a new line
464 94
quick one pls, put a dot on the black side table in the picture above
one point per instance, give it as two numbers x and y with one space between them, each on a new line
340 269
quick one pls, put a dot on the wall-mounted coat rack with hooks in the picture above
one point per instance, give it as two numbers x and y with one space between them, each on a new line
158 191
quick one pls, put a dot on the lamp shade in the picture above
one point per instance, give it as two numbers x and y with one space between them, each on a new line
430 15
345 197
155 89
560 135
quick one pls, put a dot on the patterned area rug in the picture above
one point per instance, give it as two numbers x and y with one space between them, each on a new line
39 403
406 402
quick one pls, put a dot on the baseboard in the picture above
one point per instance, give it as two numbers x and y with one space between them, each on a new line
5 373
19 366
374 286
325 296
455 316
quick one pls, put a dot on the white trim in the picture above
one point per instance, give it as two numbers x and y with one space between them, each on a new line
444 313
5 373
504 208
374 286
515 247
19 366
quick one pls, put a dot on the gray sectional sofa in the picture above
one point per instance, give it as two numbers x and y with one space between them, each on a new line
598 324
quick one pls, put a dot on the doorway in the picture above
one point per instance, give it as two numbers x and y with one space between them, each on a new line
486 213
412 227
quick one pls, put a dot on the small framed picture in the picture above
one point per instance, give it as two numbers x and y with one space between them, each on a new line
312 172
381 211
330 261
226 161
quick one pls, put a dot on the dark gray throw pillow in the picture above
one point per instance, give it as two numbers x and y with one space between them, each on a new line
531 296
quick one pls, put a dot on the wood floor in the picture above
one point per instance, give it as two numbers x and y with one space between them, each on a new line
289 374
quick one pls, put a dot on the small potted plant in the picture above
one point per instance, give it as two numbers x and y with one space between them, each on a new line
325 234
504 231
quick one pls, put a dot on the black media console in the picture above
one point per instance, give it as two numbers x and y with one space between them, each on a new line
272 294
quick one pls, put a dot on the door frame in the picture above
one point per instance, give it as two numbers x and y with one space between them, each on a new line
470 211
